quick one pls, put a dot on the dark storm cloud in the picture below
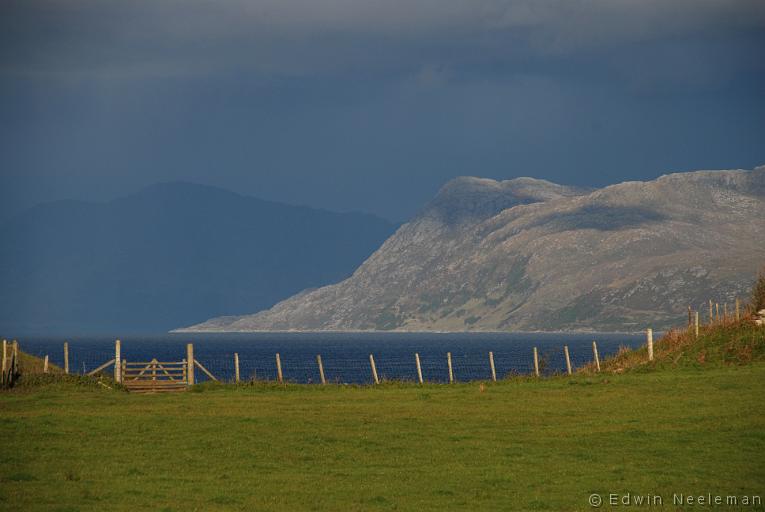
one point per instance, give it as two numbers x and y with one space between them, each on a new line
340 103
305 37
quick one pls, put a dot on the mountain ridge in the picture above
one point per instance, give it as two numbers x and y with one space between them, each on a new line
169 254
616 258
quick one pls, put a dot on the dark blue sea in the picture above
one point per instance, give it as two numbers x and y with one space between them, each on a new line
345 355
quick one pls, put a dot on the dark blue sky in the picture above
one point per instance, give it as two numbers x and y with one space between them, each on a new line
372 106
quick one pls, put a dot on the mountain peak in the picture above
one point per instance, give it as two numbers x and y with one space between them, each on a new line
467 198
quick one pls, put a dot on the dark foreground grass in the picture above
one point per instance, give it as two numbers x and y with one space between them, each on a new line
517 445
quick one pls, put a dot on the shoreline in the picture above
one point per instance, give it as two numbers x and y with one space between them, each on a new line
351 331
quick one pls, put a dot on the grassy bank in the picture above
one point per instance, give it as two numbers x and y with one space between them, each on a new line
724 344
515 445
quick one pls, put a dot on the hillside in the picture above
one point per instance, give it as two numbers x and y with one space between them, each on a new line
169 255
527 254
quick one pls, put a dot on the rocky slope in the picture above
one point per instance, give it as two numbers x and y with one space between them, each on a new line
527 254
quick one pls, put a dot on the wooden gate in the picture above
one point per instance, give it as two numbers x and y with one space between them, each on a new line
155 376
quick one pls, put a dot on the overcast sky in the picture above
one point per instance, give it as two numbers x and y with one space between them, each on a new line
371 106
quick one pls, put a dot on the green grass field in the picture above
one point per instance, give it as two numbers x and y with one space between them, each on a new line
691 421
519 444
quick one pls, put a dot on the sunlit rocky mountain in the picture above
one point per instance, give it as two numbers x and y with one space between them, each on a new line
526 254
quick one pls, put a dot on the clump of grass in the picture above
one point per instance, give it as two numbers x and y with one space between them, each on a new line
19 477
757 302
35 380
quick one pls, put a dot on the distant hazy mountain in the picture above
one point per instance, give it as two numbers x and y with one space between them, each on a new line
169 255
527 254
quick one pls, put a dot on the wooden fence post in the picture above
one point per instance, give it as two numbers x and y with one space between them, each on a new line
45 364
8 373
321 369
696 324
568 359
279 375
491 364
717 312
374 368
66 357
690 319
449 362
117 361
5 357
15 365
711 315
190 363
236 366
595 355
649 342
419 368
738 309
725 312
536 362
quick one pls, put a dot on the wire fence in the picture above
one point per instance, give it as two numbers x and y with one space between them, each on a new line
300 366
392 368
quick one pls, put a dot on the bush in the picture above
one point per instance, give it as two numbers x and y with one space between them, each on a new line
758 293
